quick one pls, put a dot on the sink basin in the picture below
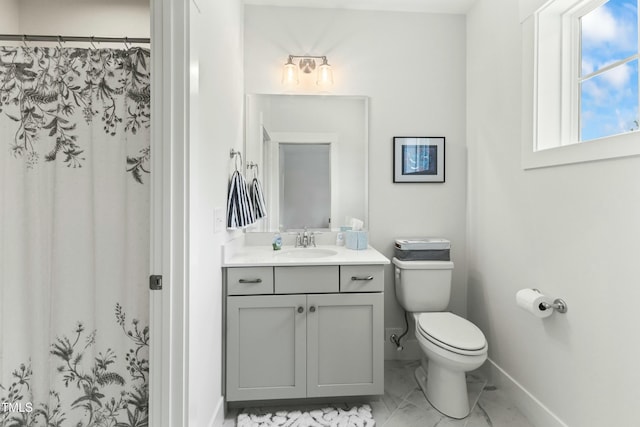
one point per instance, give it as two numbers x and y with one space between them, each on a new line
307 253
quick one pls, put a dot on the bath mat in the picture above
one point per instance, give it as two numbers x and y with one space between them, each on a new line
357 416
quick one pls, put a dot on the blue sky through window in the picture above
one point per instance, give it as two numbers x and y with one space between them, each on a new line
609 100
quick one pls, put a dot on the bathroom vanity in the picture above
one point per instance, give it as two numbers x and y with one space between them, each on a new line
303 322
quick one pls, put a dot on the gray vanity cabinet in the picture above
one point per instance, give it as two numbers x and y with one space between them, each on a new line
308 344
266 347
345 345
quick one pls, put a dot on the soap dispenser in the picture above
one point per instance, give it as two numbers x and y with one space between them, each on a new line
277 242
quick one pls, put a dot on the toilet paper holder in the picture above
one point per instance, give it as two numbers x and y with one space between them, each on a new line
558 304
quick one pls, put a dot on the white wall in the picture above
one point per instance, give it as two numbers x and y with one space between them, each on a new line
216 115
572 231
412 66
108 18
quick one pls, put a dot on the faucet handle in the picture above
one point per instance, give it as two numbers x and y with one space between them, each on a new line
298 240
312 239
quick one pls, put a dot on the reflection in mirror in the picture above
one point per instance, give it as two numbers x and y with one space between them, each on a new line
305 185
312 157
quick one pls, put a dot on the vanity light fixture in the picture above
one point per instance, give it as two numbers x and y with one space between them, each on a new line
307 64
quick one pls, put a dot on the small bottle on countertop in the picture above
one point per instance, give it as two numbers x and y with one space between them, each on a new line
340 239
277 242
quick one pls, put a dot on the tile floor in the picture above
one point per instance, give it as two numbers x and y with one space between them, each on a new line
404 405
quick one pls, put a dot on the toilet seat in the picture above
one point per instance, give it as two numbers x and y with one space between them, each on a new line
451 332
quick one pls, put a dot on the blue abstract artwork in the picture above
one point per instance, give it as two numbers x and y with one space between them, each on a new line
419 160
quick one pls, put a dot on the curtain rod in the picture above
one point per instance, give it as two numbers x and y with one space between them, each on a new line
62 39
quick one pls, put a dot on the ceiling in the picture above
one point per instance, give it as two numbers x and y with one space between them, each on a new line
430 6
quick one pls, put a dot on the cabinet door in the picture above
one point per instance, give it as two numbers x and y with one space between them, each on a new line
266 351
345 344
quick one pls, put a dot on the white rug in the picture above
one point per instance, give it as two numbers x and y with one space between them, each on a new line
358 416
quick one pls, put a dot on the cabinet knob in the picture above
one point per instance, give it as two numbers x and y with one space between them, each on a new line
312 309
300 309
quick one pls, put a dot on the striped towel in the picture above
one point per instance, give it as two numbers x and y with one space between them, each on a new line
257 199
239 208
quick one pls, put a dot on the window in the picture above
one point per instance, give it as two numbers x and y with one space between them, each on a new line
580 77
608 74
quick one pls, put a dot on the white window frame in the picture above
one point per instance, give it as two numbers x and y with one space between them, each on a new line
551 108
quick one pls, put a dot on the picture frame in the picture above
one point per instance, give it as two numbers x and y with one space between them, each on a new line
418 159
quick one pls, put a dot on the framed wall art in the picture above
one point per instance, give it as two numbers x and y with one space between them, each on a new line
418 159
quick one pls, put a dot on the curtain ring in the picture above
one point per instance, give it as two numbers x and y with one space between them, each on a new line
91 42
60 40
24 41
126 43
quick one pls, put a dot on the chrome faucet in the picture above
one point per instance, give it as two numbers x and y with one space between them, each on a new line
305 239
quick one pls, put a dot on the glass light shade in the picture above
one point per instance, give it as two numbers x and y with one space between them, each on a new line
325 74
290 73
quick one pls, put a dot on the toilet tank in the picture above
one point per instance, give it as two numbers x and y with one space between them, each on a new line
423 286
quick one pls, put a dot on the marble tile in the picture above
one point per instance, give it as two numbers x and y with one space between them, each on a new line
498 409
410 415
490 407
404 405
399 381
380 410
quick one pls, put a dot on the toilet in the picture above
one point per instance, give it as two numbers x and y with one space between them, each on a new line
451 344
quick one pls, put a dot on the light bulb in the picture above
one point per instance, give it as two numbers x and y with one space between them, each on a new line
325 74
290 73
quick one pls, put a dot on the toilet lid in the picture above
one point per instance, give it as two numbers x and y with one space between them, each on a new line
451 331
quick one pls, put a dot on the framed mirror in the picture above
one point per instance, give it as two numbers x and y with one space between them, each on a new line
310 152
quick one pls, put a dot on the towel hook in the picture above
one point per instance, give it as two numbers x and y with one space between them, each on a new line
234 153
255 167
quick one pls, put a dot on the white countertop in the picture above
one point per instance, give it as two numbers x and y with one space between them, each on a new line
263 255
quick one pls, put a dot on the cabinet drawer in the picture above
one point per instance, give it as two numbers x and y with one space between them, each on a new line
306 279
362 278
250 281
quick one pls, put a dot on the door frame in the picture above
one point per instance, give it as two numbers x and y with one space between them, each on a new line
168 361
272 172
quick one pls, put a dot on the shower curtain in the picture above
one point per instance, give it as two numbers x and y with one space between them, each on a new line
74 236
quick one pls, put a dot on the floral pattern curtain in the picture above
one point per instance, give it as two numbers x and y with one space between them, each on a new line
74 236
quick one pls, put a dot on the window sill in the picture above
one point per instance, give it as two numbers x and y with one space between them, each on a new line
600 149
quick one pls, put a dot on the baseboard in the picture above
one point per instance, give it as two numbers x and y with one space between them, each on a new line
218 416
534 410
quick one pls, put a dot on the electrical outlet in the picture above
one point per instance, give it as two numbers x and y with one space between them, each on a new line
392 331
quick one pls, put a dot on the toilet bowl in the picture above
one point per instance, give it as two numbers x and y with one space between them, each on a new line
451 344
